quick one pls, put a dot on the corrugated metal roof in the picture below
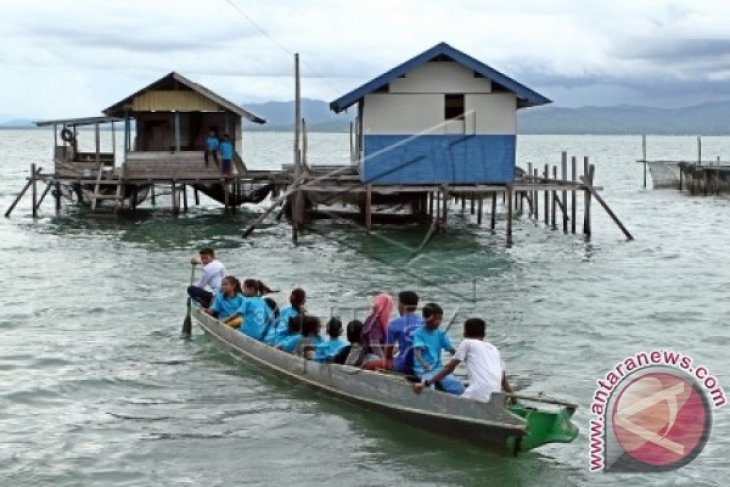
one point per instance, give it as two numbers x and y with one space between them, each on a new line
525 96
118 108
77 121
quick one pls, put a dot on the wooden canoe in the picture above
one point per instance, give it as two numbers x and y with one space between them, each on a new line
517 428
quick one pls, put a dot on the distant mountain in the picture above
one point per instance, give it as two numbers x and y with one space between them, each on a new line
279 115
706 119
19 123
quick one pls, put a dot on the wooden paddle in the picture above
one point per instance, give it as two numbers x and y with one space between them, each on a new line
187 326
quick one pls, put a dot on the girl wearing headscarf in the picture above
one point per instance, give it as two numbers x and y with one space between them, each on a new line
375 330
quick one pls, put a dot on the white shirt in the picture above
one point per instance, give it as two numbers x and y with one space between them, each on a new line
484 366
213 274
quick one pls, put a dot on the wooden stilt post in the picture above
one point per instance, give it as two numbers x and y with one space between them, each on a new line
471 208
58 197
564 175
49 185
573 176
175 202
226 193
529 176
430 204
535 198
34 189
681 177
610 212
546 197
463 202
493 215
445 209
480 212
22 192
588 174
553 208
196 195
369 206
509 215
185 197
152 194
643 155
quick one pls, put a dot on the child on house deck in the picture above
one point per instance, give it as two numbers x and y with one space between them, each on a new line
211 147
226 150
428 341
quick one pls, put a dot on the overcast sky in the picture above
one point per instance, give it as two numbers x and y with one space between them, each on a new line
73 58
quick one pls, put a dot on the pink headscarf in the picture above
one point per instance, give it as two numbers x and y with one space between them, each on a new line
382 307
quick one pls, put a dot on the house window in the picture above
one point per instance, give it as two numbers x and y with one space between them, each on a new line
454 107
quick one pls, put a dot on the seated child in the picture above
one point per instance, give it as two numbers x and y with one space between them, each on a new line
310 339
356 353
227 303
278 330
428 341
327 351
255 310
288 343
484 365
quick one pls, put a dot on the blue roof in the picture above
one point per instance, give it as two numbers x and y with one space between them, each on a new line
525 96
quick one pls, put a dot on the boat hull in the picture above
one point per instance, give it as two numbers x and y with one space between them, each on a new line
485 424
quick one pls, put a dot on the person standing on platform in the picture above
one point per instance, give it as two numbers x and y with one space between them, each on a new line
226 150
210 282
211 147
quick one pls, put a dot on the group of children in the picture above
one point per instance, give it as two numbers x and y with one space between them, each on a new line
411 344
213 146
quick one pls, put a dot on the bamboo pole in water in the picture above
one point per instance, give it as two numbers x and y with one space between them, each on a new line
34 189
643 155
536 197
545 197
564 176
553 207
509 215
493 215
368 207
573 176
588 175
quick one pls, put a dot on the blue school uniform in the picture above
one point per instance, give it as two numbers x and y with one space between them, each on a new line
430 343
289 343
326 351
279 329
226 148
256 314
226 307
400 331
212 143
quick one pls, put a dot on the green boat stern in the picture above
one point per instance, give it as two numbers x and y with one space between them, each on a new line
543 426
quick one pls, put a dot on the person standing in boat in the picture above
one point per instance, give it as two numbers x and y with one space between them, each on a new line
374 332
211 147
428 342
278 330
210 282
400 333
226 150
256 312
484 365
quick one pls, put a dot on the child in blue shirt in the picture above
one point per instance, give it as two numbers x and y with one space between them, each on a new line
428 341
290 341
326 352
255 310
310 339
279 329
400 333
227 304
226 149
211 147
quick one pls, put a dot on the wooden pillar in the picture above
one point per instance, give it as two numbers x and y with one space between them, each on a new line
564 176
699 150
185 197
588 172
471 208
643 155
196 195
226 193
553 207
480 212
430 204
175 202
574 176
152 194
369 206
445 208
493 216
463 202
97 139
177 130
546 196
133 204
535 198
34 190
509 214
527 179
58 197
681 177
